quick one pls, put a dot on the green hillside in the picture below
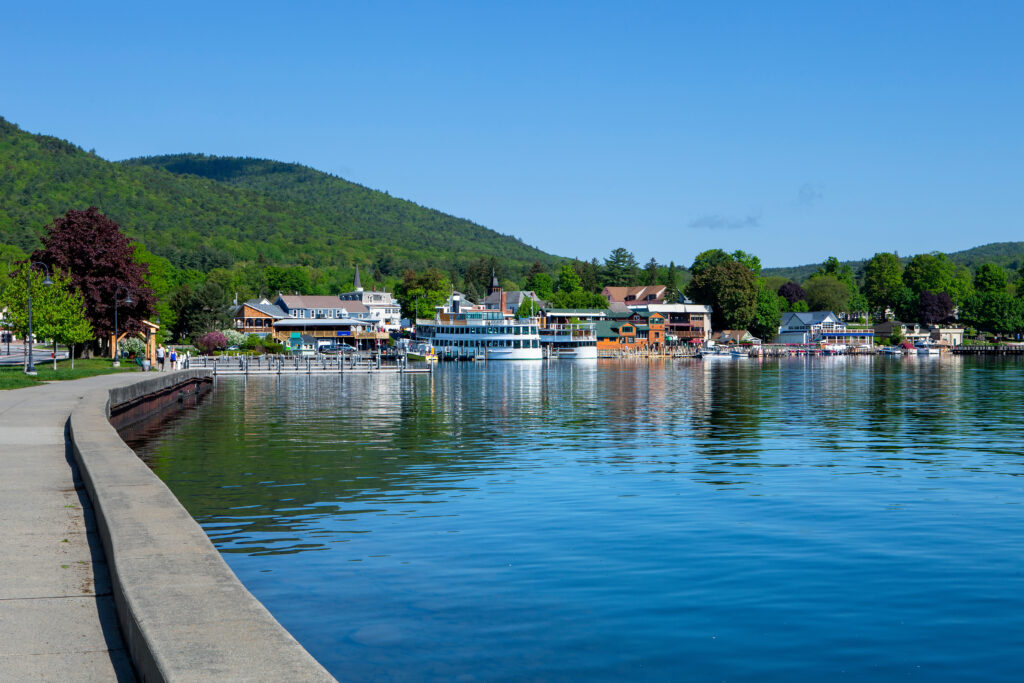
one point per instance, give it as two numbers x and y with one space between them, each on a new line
1008 255
205 212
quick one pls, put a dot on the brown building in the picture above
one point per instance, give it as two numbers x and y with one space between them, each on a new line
632 331
635 296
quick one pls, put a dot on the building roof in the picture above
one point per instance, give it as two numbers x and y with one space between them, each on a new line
810 317
731 335
688 307
639 294
273 310
321 322
578 312
293 301
513 299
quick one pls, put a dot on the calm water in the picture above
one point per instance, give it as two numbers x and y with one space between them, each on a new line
811 518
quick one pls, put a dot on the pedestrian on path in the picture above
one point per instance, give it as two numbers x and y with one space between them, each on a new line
160 354
174 360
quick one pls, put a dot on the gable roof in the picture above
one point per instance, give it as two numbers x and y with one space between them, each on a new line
646 293
810 317
292 301
273 310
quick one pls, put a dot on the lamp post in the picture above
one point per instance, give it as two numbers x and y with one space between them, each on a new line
127 300
30 368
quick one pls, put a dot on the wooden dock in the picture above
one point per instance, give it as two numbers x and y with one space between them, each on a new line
989 350
359 365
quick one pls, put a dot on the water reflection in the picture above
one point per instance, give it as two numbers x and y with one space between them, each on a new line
580 520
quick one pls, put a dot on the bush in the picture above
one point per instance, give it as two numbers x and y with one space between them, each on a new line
212 341
131 346
234 337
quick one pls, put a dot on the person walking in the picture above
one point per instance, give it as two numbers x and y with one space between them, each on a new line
161 353
174 360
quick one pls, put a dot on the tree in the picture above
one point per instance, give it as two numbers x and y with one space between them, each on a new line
827 293
934 308
621 269
767 313
199 310
841 271
542 284
730 288
101 262
568 280
211 341
708 259
929 272
651 272
792 292
883 280
749 260
989 278
997 312
670 278
528 309
420 292
287 280
58 310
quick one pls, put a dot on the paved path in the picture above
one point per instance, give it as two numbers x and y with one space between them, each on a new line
57 618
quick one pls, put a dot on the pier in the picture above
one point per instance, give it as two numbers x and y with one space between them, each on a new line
321 365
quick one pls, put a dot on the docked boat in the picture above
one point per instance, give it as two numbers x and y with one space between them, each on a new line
925 348
570 341
480 334
736 354
422 351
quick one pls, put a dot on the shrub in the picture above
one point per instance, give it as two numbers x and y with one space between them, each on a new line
131 346
212 341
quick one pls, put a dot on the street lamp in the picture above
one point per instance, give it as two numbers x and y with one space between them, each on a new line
127 300
30 368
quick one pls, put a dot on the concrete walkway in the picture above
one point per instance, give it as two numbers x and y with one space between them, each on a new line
57 615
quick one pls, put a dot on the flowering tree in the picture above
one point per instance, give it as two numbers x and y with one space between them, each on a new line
212 341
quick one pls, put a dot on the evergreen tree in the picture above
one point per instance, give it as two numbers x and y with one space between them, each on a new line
621 269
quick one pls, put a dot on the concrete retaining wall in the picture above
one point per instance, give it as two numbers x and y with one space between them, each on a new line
184 614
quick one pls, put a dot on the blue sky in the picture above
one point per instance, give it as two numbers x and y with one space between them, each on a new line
794 131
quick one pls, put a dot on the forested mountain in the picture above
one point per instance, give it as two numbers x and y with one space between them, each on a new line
205 212
1008 255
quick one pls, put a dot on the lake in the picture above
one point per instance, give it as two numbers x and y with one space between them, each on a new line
817 518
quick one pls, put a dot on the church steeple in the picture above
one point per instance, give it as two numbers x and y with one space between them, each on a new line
494 283
358 285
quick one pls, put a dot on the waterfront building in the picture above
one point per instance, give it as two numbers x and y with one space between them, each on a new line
734 337
359 334
684 321
820 327
257 316
507 302
316 306
633 331
381 306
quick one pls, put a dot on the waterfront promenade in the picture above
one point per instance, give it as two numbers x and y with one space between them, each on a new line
57 614
105 574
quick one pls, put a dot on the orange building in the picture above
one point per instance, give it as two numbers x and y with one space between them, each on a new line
632 330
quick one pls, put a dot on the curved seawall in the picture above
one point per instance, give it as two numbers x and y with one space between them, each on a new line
184 615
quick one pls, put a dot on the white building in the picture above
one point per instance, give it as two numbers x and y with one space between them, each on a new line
381 305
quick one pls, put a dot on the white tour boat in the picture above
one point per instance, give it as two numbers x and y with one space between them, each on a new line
480 334
571 341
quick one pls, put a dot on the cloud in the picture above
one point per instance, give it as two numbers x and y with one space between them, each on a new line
717 221
809 194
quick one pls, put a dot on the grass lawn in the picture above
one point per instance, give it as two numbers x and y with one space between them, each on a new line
14 377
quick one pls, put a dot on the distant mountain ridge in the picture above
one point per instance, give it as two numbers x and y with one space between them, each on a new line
204 211
1009 255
